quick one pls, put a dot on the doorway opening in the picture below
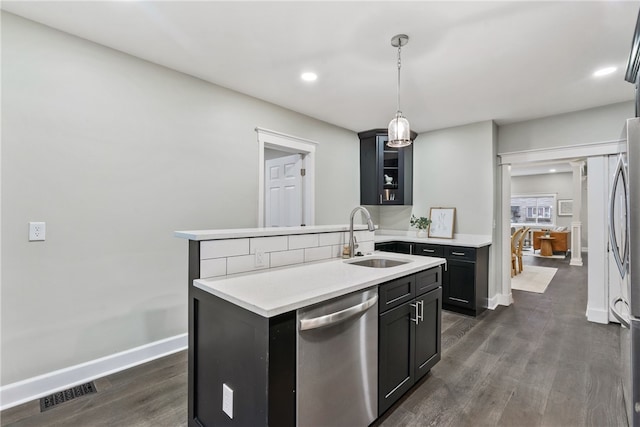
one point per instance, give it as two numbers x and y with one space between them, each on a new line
286 179
597 307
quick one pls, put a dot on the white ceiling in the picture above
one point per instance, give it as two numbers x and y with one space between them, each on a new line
465 61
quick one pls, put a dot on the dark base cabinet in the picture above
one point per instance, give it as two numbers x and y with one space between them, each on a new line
465 285
397 247
465 281
409 333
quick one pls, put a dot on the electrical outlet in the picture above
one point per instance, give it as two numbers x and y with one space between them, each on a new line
259 259
37 231
227 400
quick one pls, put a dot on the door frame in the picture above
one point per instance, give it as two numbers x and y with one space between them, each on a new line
505 160
292 144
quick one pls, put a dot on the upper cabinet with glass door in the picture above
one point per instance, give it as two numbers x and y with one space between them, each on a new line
386 173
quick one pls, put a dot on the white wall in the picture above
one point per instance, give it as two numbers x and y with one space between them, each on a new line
452 167
116 153
580 127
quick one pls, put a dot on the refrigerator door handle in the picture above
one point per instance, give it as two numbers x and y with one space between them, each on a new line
621 259
617 314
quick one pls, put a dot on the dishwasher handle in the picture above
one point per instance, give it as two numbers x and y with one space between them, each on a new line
338 316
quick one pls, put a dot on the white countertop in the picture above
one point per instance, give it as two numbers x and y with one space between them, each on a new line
235 233
468 240
276 291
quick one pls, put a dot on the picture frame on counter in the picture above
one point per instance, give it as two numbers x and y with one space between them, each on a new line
442 220
565 207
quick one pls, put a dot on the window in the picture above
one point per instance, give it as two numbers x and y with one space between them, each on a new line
533 210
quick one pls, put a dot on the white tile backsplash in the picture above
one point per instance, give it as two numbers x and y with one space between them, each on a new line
301 241
336 251
223 248
366 247
364 235
213 267
231 256
241 264
316 254
268 244
326 239
278 259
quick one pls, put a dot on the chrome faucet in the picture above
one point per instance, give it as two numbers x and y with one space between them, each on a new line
352 238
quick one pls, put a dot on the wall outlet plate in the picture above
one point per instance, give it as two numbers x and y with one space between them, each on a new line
227 400
260 259
37 231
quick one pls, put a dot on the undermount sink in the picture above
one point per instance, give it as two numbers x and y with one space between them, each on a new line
378 262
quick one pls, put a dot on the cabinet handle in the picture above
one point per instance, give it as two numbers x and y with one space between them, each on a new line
459 300
381 199
417 319
429 250
421 317
457 253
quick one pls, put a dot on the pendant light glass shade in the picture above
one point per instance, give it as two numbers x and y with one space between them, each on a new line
399 132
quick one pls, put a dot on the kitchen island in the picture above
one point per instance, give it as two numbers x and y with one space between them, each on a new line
243 329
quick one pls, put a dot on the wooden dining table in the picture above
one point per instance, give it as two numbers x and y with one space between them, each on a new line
546 248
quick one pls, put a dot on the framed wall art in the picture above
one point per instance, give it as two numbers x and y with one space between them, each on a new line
565 207
442 220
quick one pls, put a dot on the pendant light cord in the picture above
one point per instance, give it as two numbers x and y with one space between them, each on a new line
399 65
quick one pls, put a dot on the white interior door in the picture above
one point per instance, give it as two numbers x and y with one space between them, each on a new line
283 191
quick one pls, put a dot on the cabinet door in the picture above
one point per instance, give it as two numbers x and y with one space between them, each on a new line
396 355
459 288
391 178
428 331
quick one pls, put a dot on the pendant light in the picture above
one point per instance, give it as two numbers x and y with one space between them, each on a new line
399 132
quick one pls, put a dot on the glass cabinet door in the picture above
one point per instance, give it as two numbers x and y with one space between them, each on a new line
390 174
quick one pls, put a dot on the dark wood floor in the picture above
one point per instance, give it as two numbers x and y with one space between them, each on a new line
535 363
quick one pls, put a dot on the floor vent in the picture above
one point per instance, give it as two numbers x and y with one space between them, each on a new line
54 399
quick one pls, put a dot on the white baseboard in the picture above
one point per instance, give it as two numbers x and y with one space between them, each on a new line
597 315
499 299
34 388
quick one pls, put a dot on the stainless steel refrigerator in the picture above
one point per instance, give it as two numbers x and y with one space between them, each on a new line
624 242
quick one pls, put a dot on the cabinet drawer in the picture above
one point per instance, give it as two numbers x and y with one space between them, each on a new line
396 292
454 252
428 250
428 280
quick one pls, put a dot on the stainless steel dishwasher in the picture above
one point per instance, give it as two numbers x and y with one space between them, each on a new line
337 351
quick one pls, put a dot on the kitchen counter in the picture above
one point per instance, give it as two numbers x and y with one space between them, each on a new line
466 240
277 291
237 233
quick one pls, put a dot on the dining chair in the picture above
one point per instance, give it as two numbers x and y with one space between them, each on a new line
514 252
523 237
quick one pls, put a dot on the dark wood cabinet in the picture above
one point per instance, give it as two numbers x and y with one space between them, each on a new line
396 359
465 284
465 280
428 332
386 173
459 286
397 247
409 333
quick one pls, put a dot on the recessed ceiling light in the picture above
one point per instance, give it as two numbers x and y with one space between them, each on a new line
309 77
604 71
552 170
